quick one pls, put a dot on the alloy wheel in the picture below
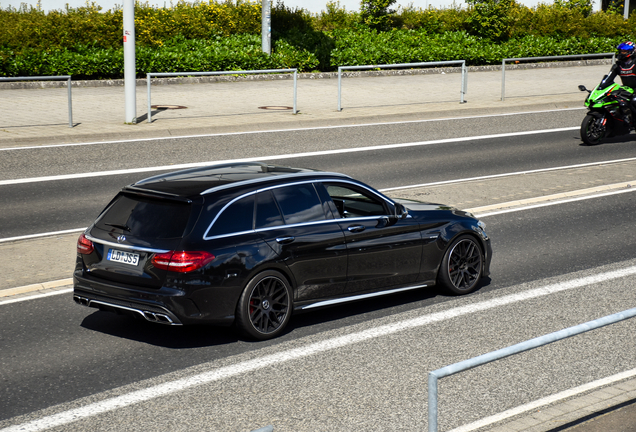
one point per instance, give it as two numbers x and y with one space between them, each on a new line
268 305
464 264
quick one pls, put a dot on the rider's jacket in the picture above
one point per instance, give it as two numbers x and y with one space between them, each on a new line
626 69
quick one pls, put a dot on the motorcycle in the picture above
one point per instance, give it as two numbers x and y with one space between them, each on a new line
609 114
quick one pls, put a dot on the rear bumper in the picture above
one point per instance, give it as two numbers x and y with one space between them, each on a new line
163 306
149 313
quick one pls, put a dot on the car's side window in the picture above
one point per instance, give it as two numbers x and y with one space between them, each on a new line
299 203
237 217
354 202
267 212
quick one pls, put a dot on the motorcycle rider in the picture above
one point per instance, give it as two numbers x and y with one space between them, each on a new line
625 67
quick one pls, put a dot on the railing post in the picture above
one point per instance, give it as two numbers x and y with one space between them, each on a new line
339 87
295 91
70 103
503 79
148 97
432 402
464 83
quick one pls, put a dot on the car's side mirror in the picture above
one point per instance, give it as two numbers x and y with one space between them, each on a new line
400 211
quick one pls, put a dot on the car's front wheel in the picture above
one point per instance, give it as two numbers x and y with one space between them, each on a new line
462 266
265 305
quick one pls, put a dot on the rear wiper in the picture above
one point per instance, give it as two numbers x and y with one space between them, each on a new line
120 226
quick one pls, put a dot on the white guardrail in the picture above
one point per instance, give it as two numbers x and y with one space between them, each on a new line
51 78
248 72
435 375
402 65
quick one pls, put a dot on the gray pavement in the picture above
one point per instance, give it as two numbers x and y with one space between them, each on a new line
33 117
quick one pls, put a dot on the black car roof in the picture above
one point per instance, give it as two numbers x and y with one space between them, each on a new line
203 180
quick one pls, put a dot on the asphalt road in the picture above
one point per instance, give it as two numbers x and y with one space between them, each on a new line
54 352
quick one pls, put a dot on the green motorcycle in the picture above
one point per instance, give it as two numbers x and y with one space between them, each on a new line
609 114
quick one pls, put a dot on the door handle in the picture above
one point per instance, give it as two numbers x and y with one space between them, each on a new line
285 240
356 228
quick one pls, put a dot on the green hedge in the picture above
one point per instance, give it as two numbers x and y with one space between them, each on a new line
213 36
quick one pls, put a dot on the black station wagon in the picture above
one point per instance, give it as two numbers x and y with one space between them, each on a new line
247 244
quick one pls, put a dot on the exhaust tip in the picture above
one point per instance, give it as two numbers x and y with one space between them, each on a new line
81 300
150 316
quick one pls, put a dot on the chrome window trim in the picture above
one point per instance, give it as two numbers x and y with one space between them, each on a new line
269 178
122 246
206 237
376 193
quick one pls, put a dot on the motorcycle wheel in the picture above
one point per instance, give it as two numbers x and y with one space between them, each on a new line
593 129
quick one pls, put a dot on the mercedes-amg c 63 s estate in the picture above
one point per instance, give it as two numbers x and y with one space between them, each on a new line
250 243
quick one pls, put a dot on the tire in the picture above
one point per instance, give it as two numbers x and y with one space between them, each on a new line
462 266
265 306
593 129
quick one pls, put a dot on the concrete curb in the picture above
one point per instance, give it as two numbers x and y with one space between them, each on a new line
35 287
546 198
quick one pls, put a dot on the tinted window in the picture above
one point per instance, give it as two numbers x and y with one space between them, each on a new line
299 203
237 217
352 202
267 213
146 217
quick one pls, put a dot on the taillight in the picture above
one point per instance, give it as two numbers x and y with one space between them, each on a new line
181 261
84 245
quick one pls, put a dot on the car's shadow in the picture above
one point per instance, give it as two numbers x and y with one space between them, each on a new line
174 337
301 324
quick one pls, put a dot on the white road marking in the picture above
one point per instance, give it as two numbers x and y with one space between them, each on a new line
167 388
36 296
32 236
282 130
283 156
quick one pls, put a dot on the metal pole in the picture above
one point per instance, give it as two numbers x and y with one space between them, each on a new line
70 103
148 98
295 90
503 79
626 13
129 61
339 88
266 26
463 90
432 402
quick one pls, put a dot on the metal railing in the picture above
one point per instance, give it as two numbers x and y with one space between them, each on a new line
401 65
435 375
518 59
249 72
51 78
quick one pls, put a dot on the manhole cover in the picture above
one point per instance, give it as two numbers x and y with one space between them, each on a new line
280 108
168 107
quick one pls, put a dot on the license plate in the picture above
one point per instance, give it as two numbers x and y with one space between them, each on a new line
123 257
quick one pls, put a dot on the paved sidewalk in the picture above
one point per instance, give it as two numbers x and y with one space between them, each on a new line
40 117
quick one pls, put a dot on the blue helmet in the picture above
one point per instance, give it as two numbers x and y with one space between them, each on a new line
625 50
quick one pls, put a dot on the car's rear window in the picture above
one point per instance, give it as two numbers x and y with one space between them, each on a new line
145 217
